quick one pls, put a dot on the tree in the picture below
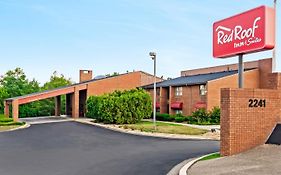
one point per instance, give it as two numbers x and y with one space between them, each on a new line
47 106
14 83
112 75
56 81
3 95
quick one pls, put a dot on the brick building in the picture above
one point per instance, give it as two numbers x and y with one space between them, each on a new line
76 94
200 88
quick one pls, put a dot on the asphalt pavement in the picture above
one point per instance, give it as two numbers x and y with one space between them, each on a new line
71 148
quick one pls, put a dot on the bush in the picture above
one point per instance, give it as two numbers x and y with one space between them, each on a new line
165 117
162 117
93 103
2 116
215 115
179 119
172 118
5 120
201 116
120 107
12 123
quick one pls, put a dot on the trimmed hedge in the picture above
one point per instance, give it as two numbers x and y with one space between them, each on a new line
199 117
2 116
179 119
6 120
120 107
12 123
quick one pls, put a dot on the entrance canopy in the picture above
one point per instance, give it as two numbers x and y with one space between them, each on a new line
74 94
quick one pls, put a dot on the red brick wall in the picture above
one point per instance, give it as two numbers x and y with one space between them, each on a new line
242 127
274 81
251 80
264 64
85 75
147 79
164 100
265 68
190 96
121 82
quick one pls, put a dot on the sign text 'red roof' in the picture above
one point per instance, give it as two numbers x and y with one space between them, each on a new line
248 32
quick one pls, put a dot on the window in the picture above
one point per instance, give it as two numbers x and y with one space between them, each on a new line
202 89
178 91
178 111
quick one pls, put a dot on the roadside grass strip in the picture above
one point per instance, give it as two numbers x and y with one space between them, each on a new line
212 156
8 123
161 127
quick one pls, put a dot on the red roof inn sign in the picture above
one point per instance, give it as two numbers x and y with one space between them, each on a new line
248 32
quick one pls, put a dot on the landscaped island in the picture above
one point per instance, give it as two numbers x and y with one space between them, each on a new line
8 123
127 109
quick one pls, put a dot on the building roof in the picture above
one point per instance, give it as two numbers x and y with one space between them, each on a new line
192 79
72 85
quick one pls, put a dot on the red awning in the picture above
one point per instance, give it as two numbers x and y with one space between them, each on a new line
176 105
157 105
200 105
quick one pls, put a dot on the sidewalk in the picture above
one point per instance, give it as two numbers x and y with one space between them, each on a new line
207 127
47 119
262 160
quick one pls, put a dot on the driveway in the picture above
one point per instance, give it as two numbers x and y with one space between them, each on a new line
71 148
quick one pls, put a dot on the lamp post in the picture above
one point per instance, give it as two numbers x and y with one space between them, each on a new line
274 50
153 57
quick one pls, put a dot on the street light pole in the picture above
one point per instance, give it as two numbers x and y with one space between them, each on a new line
153 57
274 50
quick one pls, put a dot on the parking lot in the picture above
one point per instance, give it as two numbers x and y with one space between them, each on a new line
71 148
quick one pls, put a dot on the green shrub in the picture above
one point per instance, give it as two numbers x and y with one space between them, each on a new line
120 107
215 115
93 103
5 120
162 117
179 119
201 116
2 116
172 118
12 124
190 120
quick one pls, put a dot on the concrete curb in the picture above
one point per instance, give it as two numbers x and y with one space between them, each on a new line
183 170
45 122
206 127
139 133
175 170
26 125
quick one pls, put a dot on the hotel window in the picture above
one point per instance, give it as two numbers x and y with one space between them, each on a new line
202 89
178 91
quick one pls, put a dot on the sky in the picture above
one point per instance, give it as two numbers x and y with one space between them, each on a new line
106 36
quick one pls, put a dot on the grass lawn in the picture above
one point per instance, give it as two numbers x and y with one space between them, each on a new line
147 126
8 123
212 156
